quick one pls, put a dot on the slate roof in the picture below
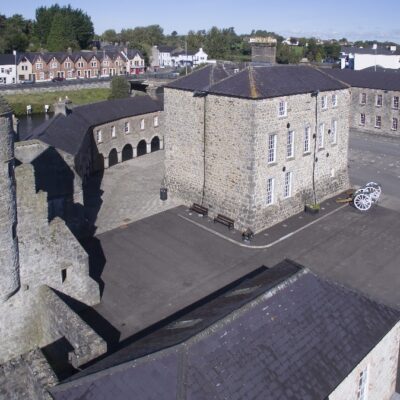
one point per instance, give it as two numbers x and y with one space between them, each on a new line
274 81
67 133
7 59
370 50
257 82
165 49
370 79
202 79
291 336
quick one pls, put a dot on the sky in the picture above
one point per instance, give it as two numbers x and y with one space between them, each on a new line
325 19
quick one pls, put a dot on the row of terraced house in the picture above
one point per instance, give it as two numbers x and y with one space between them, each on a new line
46 66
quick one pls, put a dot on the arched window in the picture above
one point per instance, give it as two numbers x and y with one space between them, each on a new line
112 158
127 152
155 144
141 148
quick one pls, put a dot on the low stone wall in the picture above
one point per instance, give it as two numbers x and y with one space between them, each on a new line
56 88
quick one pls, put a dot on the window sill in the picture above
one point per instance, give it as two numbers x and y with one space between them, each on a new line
291 158
282 116
272 164
378 106
307 153
377 127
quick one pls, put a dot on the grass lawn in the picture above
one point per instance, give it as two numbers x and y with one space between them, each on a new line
38 99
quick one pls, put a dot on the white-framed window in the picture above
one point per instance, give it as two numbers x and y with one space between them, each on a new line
287 186
54 65
334 100
282 108
362 119
39 65
378 100
99 136
333 136
156 121
113 132
362 390
290 144
80 64
67 64
105 63
378 121
395 103
321 134
126 127
395 124
69 74
324 102
142 124
94 64
307 138
271 148
270 191
363 98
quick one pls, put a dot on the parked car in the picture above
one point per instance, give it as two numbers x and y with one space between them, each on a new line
27 82
57 79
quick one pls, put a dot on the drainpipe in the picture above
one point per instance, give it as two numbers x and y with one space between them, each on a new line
315 94
203 94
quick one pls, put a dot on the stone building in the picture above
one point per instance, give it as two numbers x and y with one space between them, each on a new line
263 338
375 100
40 262
253 145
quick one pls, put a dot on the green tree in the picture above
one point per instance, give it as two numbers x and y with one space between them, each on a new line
119 88
80 25
61 35
110 36
14 33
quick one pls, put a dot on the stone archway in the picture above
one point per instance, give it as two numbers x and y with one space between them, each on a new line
141 148
127 152
112 158
155 144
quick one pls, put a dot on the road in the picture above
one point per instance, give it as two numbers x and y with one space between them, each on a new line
374 158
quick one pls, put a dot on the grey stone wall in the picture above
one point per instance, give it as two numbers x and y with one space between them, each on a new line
58 320
9 267
133 137
35 88
49 253
236 147
386 111
27 377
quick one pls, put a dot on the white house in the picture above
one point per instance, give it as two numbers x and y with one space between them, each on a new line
200 57
361 58
8 72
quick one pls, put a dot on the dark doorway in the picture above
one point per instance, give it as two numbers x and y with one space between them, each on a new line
141 148
127 152
112 158
155 144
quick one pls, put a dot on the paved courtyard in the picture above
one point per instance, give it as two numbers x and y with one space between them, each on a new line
159 264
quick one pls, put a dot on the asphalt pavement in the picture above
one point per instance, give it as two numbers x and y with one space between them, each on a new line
157 265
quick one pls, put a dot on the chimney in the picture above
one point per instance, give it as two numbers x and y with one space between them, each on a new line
94 49
69 50
63 107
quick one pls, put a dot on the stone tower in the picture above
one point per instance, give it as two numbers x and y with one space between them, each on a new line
9 263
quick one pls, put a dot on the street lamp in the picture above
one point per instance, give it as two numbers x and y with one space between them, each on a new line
15 59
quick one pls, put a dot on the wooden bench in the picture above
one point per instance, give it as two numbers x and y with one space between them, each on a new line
222 219
199 209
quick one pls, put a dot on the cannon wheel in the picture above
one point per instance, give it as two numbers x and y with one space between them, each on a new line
376 192
362 201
